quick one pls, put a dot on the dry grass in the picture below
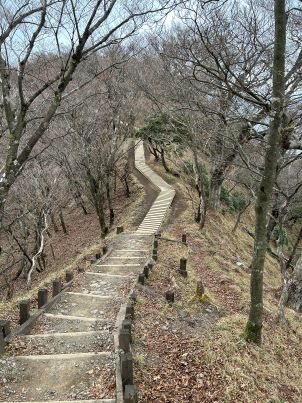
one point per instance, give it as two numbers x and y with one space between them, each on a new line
223 367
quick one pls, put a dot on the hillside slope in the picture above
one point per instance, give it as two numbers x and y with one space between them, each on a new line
193 351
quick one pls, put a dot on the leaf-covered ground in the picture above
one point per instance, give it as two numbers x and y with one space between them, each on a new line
193 351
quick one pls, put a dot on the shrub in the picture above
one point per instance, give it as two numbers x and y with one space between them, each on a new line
235 202
280 234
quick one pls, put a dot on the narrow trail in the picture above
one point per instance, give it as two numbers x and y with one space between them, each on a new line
71 352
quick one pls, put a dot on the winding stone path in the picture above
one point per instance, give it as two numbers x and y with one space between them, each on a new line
71 352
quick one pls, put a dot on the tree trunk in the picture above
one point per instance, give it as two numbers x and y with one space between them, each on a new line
79 201
111 211
127 188
163 160
253 330
62 222
97 196
273 219
199 184
294 250
224 165
53 221
240 214
291 292
215 187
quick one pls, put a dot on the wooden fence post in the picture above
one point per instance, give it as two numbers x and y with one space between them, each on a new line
119 230
24 311
42 297
170 296
69 276
56 287
124 340
141 278
127 368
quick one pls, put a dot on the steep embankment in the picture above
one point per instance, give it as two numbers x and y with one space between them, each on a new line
193 351
77 247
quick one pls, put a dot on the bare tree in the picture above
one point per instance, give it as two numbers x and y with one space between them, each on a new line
253 331
31 98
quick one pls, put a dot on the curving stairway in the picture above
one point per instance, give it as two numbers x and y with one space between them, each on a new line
70 353
155 216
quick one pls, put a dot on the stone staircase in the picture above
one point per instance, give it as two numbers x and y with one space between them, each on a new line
70 354
154 218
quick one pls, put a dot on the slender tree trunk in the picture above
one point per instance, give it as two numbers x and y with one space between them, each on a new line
163 160
97 195
215 187
53 221
219 173
291 291
253 330
111 210
240 214
273 219
199 184
62 221
127 188
294 250
153 150
79 201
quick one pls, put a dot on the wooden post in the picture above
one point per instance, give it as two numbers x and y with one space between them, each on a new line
130 395
42 297
170 296
127 369
183 267
183 264
146 271
184 239
199 290
24 311
2 343
69 276
124 340
130 310
127 324
154 255
119 230
133 298
183 273
155 244
141 278
5 327
56 287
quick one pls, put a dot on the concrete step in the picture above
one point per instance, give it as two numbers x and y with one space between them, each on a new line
117 269
56 323
72 401
104 284
64 343
83 304
58 377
